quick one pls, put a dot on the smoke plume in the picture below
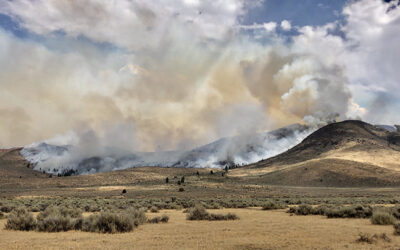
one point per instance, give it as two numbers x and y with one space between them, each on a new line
115 80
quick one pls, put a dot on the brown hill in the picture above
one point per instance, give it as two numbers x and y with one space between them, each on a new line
347 154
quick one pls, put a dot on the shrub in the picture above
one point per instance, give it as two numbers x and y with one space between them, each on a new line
228 216
108 223
137 215
154 209
57 219
181 189
158 219
164 218
200 213
1 215
370 239
20 219
154 220
396 227
270 205
367 238
350 212
396 212
124 191
381 217
355 211
197 213
6 209
57 223
303 209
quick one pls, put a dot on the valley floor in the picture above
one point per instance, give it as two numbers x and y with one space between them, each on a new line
256 229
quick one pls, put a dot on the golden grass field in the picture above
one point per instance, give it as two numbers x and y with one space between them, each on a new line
256 229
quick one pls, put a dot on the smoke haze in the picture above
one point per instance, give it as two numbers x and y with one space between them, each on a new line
121 77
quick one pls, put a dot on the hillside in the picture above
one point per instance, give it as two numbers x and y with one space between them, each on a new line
345 154
349 153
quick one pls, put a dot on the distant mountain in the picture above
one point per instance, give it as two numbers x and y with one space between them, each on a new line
229 151
389 128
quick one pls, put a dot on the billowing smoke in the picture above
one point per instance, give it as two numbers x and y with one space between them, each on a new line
225 152
113 81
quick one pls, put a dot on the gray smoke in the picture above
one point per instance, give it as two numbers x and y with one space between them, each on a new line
231 151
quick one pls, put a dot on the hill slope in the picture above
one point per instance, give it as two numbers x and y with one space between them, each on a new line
348 154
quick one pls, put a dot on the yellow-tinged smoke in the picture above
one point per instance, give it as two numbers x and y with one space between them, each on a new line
177 96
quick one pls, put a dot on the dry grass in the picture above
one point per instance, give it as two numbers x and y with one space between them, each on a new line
256 229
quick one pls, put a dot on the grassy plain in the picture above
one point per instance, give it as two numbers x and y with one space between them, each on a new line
146 187
256 229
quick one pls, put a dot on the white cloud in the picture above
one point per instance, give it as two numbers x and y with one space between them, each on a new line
374 34
285 25
129 24
270 27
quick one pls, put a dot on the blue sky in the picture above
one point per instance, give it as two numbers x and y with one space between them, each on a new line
300 13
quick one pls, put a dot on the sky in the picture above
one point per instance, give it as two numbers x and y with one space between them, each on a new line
175 74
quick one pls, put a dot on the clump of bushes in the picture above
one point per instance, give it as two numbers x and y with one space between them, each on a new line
303 209
1 215
106 222
158 219
20 219
271 205
382 217
200 213
356 211
350 212
57 219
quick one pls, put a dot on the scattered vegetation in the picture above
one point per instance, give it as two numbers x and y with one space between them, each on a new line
371 239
